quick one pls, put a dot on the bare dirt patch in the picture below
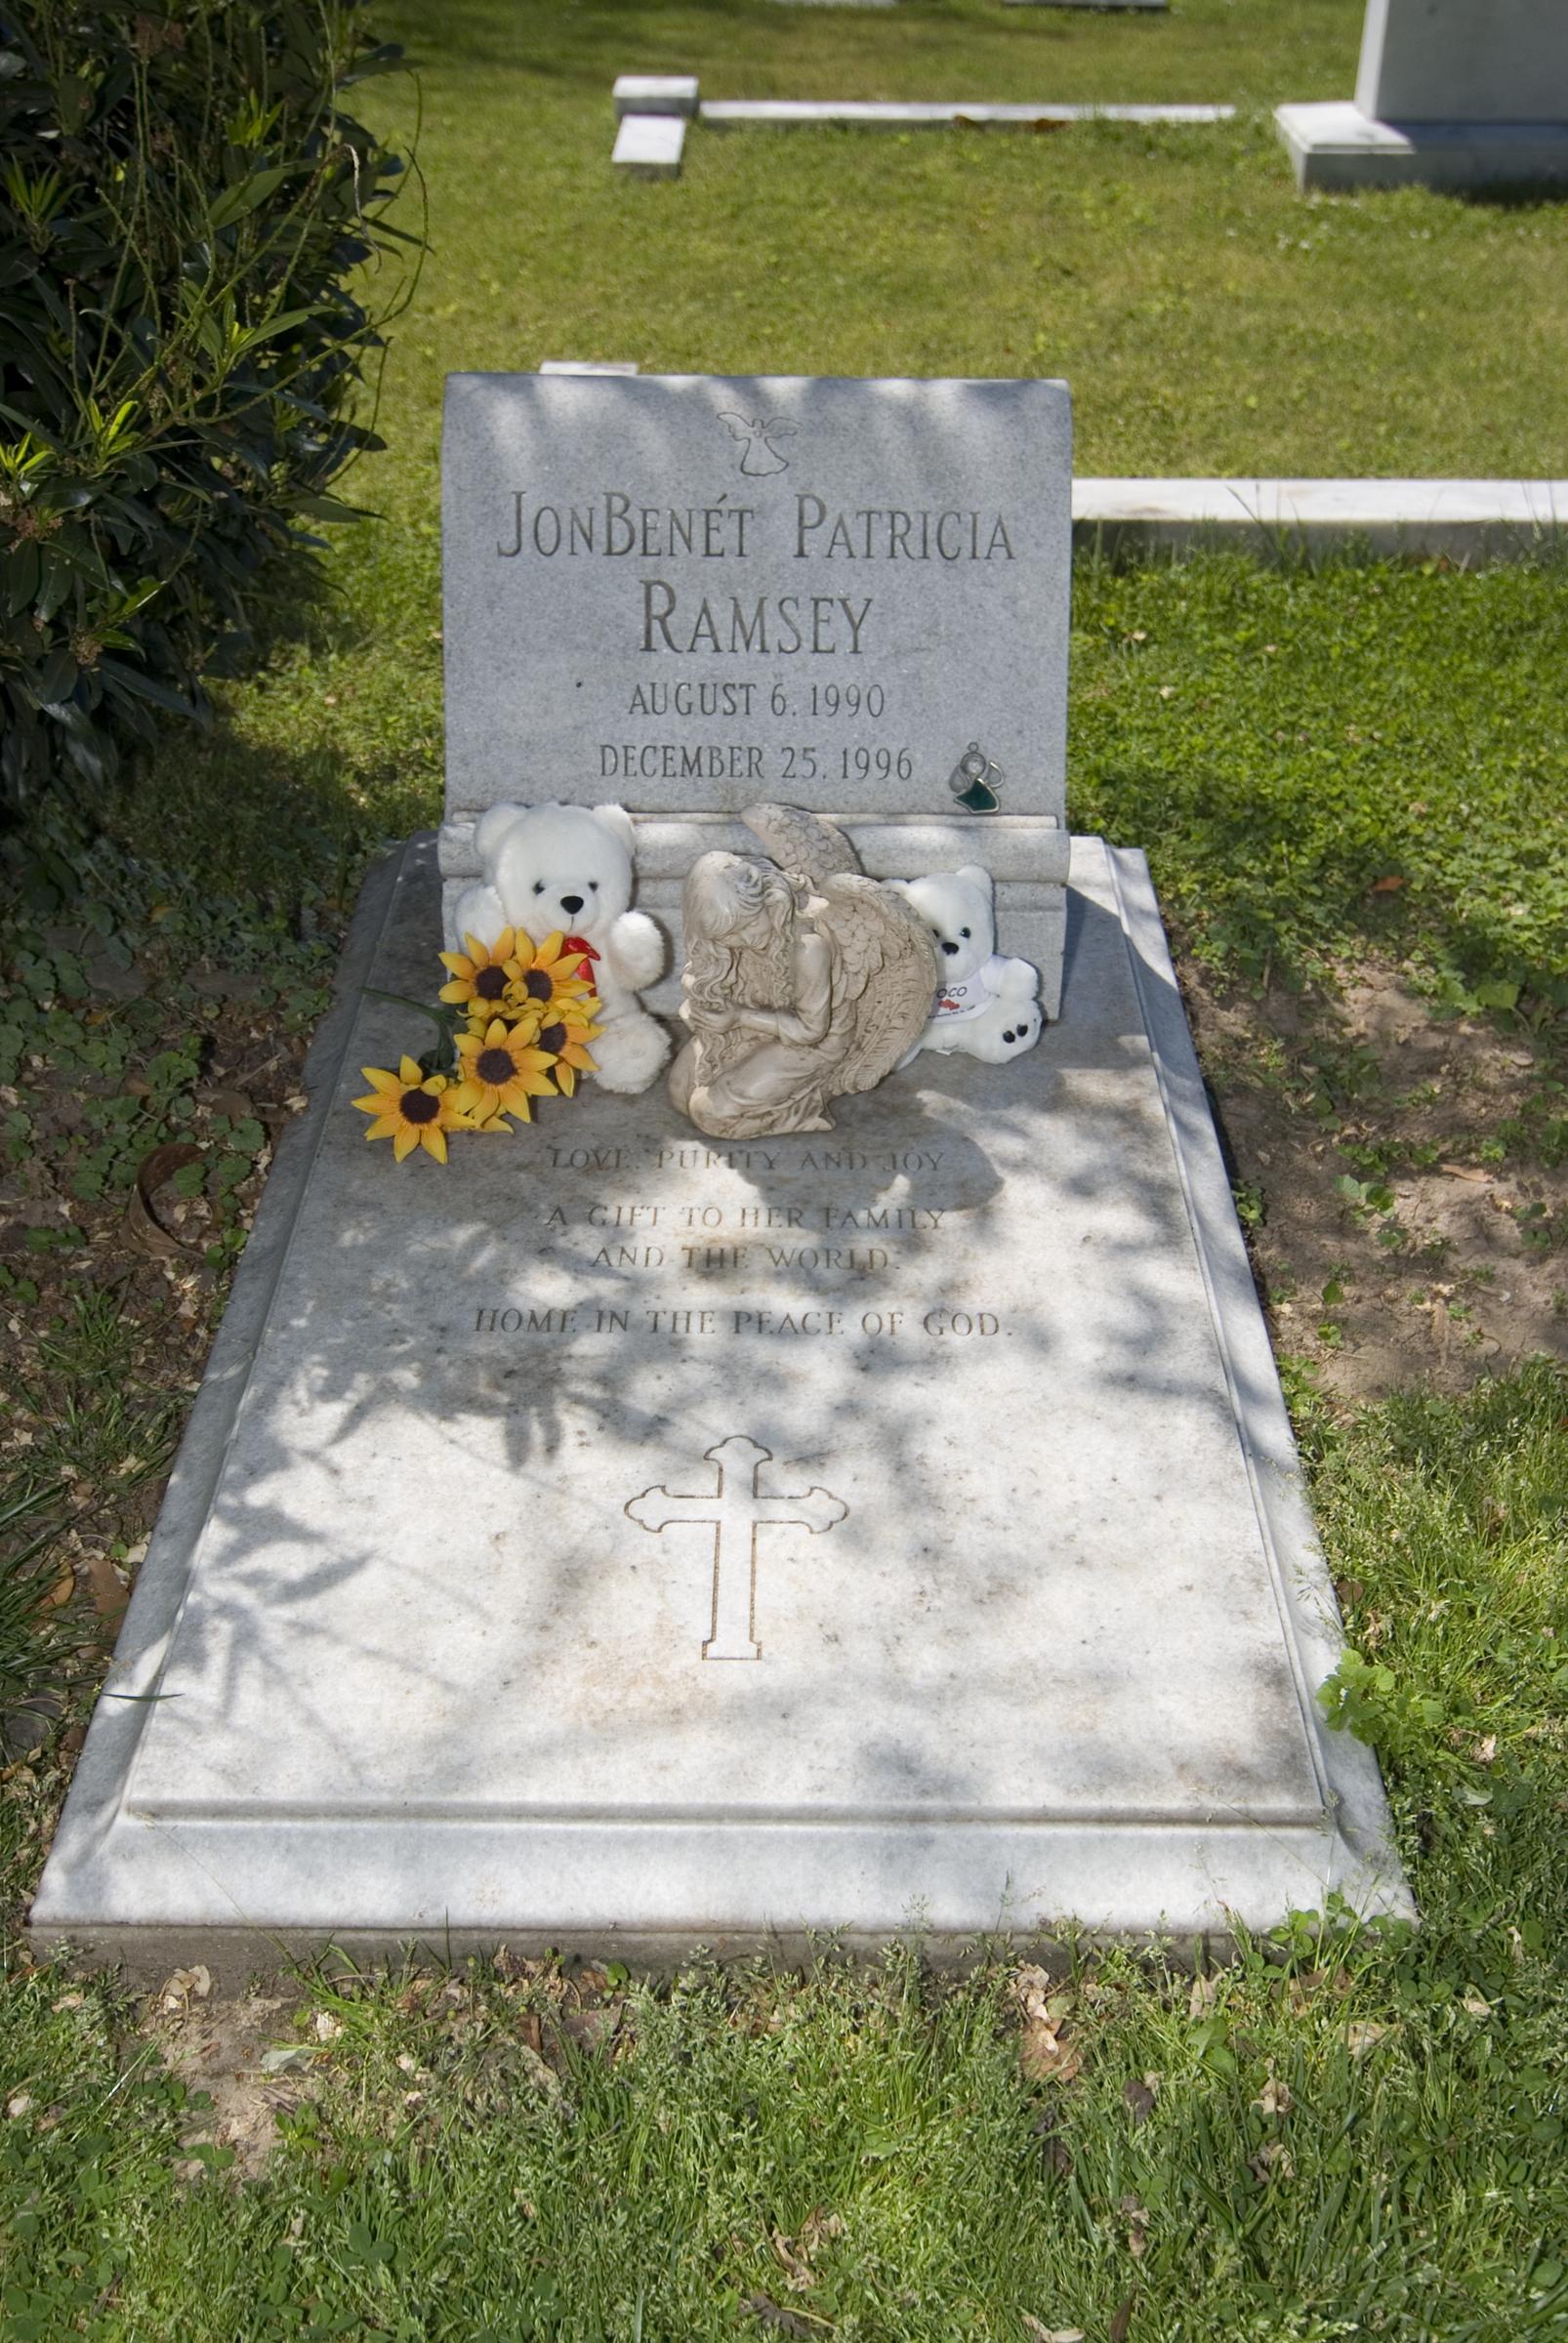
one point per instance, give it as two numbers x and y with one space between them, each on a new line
1401 1176
236 2052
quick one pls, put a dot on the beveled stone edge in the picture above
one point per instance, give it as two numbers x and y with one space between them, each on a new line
610 1883
1356 1802
122 1709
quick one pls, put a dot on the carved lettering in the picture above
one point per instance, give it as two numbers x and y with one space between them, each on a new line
729 625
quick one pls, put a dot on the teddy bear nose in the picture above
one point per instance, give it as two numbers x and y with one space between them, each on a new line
572 902
950 949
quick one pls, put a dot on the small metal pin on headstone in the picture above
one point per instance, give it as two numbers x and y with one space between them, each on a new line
975 780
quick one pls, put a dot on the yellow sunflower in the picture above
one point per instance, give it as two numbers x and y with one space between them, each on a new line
555 977
569 1046
500 1071
411 1110
484 975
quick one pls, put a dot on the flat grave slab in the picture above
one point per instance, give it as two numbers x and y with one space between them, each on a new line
624 1541
649 145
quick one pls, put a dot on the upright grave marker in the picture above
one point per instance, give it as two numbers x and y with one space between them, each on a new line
690 594
1450 94
622 1539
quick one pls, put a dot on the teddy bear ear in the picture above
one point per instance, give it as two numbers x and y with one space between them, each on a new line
618 821
976 876
491 828
898 887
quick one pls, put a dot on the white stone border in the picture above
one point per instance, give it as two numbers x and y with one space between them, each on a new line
734 113
652 111
1468 522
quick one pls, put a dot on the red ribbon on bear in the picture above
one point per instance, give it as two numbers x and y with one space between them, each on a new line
578 943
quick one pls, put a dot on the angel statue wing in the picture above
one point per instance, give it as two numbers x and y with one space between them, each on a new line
802 841
886 976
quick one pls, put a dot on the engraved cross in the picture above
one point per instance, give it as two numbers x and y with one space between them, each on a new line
738 1508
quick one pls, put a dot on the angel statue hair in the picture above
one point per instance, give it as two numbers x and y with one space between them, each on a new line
804 980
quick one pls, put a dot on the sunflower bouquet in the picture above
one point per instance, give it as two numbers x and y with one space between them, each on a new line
516 1018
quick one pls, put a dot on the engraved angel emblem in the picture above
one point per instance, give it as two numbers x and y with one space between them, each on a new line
756 433
801 984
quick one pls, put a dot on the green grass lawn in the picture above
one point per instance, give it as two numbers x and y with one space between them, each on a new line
1338 2135
1208 319
1342 2133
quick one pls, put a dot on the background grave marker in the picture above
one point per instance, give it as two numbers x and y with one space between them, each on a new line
1450 94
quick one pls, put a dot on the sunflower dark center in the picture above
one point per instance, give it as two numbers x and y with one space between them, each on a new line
553 1037
418 1106
494 1065
537 985
490 984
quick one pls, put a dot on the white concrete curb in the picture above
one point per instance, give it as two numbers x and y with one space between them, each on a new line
1464 520
652 111
732 114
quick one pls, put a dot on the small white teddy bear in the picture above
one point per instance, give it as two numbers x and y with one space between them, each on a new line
569 867
987 1005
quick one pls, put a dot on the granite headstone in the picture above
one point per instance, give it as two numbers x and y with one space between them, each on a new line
687 595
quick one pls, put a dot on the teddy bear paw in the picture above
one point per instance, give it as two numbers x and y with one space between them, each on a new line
637 948
1021 1032
628 1053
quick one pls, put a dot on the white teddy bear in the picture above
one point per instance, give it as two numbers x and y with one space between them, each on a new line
569 867
986 1005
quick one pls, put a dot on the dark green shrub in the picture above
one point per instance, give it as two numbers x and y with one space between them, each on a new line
186 218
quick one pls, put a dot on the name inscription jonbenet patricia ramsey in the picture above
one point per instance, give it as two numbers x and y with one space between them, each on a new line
674 618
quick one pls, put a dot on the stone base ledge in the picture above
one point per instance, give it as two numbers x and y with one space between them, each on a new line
1028 856
1338 148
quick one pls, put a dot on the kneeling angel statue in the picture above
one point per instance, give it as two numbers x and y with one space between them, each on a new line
803 980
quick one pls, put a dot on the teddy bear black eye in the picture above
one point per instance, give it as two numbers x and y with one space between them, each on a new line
538 887
964 933
592 887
